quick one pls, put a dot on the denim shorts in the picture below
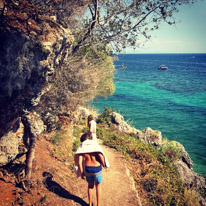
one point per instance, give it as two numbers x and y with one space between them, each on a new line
91 179
93 174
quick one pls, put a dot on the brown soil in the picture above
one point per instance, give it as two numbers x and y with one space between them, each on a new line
54 181
118 187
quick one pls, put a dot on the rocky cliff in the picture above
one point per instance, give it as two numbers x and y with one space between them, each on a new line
40 75
29 57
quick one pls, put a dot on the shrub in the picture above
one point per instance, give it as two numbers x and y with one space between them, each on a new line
105 116
170 150
76 144
76 133
87 75
56 139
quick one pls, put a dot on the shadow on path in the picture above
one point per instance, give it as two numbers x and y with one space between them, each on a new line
59 190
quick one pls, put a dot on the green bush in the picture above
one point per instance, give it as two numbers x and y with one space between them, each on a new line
171 150
76 131
105 116
77 134
57 138
76 144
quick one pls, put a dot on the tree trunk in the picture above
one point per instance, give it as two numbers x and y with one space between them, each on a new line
30 157
30 139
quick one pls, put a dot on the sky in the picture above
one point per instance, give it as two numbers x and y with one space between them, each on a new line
187 36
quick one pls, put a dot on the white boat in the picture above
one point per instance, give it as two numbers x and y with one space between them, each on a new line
162 67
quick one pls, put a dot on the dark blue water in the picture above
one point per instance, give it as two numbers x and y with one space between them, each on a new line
172 101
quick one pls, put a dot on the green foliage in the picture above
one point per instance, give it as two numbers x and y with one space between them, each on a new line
76 131
101 66
170 150
88 74
128 144
105 116
76 144
76 134
85 129
158 177
57 138
106 86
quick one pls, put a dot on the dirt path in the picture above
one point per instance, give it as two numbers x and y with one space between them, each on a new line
118 187
55 184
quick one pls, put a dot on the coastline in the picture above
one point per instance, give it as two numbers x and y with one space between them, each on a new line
172 101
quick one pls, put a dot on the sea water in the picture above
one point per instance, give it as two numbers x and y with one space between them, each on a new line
172 101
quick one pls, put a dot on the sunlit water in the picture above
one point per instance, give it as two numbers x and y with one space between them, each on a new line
172 101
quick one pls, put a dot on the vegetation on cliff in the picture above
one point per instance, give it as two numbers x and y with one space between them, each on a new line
86 75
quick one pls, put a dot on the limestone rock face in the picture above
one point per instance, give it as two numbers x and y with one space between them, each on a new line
118 119
150 136
27 64
189 177
185 173
12 143
187 160
16 141
34 123
185 156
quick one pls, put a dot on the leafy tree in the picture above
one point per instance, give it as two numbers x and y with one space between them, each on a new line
123 23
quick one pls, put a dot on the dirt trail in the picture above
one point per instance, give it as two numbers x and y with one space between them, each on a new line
118 187
54 183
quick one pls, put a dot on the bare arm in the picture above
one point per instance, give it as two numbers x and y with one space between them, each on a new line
89 125
80 160
101 159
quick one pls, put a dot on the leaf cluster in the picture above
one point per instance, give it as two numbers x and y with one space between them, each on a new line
105 116
124 23
171 150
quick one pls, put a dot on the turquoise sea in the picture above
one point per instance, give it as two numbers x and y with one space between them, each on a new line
172 101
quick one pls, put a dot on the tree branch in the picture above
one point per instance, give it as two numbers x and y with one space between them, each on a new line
91 27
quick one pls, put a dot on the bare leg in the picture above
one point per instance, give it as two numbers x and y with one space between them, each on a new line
90 191
98 193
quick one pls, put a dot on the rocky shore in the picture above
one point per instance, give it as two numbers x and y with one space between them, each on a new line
153 137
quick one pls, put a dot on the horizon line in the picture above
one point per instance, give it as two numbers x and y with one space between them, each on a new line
161 53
